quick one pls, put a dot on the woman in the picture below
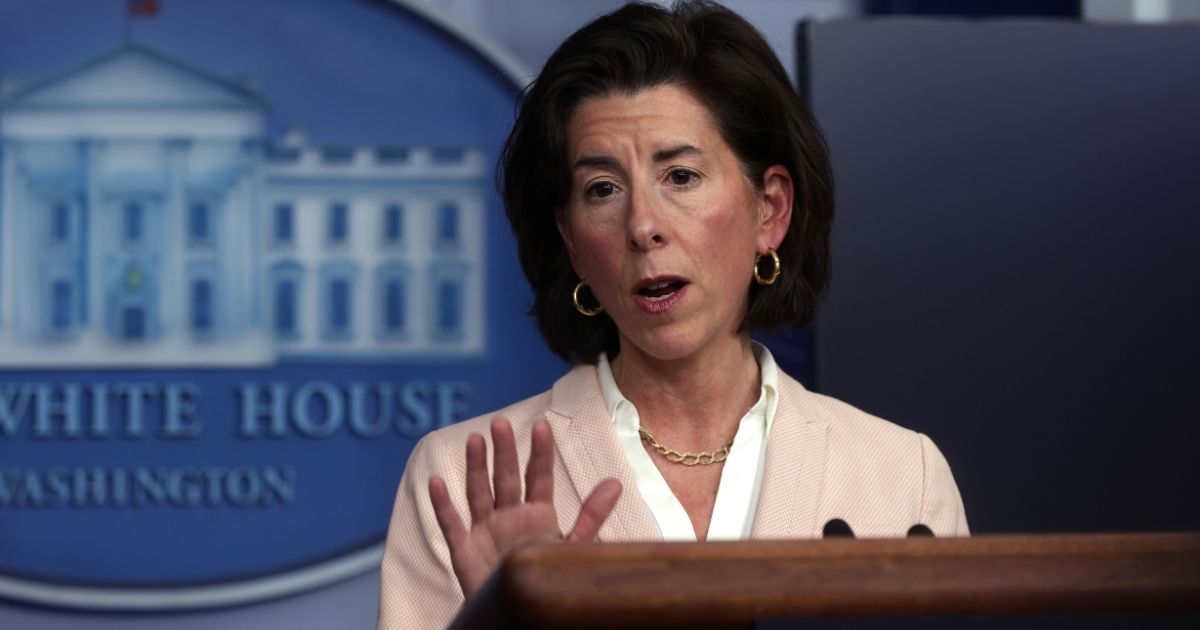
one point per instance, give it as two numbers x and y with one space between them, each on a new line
670 194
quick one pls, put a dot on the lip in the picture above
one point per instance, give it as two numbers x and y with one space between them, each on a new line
660 305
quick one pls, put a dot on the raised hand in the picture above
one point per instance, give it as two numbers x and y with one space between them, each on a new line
505 522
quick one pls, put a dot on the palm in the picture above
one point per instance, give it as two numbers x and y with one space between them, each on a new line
505 522
505 530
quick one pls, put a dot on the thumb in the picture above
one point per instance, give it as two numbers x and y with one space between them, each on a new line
596 509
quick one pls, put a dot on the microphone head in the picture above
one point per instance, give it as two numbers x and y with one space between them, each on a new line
837 528
920 529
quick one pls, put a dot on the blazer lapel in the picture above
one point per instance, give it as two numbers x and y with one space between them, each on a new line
590 452
795 468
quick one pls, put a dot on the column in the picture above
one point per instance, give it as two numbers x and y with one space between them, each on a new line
95 252
173 294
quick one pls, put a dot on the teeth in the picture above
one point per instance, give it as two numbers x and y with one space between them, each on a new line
658 285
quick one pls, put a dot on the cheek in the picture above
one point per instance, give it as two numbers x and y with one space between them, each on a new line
731 231
594 254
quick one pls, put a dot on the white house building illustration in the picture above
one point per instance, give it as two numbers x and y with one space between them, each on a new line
146 219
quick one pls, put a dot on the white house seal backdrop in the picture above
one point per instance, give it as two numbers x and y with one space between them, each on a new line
249 254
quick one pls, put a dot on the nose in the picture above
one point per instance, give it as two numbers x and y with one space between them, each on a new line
643 222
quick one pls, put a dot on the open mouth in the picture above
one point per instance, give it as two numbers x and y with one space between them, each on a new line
661 290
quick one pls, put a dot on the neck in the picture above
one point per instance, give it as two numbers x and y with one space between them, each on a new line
697 401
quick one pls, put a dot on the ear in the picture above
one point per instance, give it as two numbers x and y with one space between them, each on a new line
774 207
564 230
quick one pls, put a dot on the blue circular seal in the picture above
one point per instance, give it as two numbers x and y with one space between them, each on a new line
249 254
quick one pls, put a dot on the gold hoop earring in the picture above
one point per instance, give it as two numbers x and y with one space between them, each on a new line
590 312
774 273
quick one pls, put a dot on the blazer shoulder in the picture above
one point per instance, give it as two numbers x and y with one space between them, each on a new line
881 476
845 420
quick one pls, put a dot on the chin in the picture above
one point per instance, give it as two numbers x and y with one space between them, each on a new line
664 345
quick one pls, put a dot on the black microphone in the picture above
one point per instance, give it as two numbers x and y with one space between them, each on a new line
837 528
920 529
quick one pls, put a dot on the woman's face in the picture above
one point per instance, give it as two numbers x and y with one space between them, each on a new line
663 223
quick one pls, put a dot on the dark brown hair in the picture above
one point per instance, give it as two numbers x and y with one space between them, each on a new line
728 66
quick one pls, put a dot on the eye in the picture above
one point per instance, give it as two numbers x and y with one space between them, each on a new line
682 177
600 190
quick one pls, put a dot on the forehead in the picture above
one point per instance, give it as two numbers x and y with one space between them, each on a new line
648 119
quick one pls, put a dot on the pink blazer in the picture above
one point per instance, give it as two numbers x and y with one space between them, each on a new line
825 460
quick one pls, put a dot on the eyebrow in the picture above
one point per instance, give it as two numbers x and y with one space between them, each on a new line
674 152
596 161
659 156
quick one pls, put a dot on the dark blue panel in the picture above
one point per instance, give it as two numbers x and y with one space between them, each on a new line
60 229
449 306
284 224
394 305
339 223
339 305
61 304
285 307
198 223
974 8
201 305
132 226
1015 256
133 323
448 223
393 225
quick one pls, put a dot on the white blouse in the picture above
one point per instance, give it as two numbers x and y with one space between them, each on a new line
741 479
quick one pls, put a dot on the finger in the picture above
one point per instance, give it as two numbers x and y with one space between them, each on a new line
466 568
479 489
507 478
539 474
447 517
595 511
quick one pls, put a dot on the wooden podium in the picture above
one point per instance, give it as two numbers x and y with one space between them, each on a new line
733 584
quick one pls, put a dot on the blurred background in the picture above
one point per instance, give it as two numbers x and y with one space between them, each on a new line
1015 252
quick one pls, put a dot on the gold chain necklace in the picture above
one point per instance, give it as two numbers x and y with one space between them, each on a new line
703 458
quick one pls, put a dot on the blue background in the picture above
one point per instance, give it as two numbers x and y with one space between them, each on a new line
347 73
